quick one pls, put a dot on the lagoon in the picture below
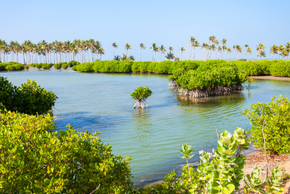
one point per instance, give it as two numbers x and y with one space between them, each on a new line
101 102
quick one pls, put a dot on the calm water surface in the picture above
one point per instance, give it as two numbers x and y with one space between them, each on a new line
102 102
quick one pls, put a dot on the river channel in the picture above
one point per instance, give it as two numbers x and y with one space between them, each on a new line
101 102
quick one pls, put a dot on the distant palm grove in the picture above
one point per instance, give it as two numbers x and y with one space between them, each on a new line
90 50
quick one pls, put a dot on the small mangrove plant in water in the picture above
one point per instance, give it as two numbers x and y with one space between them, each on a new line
141 94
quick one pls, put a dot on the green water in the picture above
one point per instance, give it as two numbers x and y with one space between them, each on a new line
101 102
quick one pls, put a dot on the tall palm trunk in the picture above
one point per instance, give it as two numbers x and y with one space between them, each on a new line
190 53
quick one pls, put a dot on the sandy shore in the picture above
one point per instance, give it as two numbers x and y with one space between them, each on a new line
270 77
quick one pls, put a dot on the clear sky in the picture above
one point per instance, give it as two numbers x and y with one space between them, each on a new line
166 22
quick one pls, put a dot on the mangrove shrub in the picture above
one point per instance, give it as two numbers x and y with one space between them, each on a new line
275 118
29 98
141 94
34 160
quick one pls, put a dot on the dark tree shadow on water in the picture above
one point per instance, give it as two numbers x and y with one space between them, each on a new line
86 121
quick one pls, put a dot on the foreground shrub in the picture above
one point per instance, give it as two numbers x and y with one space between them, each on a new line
275 118
220 172
29 98
34 160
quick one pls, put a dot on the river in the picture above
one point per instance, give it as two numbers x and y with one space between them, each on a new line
101 102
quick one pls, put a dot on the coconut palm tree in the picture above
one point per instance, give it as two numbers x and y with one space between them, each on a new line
162 50
274 50
114 45
220 51
239 49
281 49
260 49
204 46
142 46
127 47
170 49
229 50
169 56
101 52
224 48
234 48
131 58
195 44
216 42
191 42
182 49
155 49
249 50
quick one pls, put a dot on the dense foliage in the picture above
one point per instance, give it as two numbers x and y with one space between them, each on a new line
29 98
255 68
12 66
275 118
220 172
208 75
141 93
34 160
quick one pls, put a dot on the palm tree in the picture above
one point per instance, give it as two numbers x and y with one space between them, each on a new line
229 50
155 49
249 50
162 50
224 48
195 44
216 42
191 42
114 45
182 49
131 58
169 56
224 42
234 48
274 50
141 47
281 49
260 49
287 48
170 49
238 49
101 52
204 46
220 50
127 47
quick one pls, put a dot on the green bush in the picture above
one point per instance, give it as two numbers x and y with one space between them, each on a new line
275 117
220 171
12 66
208 75
74 68
38 65
73 63
34 160
29 98
85 67
64 66
57 65
46 65
280 68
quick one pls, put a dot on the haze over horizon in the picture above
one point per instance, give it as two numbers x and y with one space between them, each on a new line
170 23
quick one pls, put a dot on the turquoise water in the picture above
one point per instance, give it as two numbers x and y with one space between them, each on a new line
101 102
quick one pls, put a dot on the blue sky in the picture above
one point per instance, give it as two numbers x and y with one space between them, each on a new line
170 23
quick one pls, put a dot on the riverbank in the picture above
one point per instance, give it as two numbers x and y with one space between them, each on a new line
271 77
